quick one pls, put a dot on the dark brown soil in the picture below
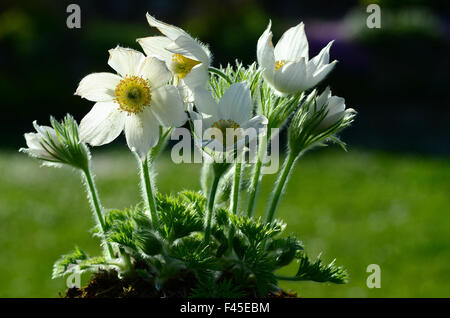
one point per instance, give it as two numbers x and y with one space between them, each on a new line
108 285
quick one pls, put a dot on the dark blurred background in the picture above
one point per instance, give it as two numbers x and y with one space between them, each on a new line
384 202
397 77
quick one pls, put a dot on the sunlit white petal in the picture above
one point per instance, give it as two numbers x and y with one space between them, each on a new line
265 53
168 107
98 87
172 32
102 124
155 71
125 61
204 102
190 48
292 45
141 132
156 46
323 57
198 76
236 103
291 77
320 74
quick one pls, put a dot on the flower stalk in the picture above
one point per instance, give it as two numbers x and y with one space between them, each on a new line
96 206
235 195
281 185
256 179
219 169
236 185
210 207
147 192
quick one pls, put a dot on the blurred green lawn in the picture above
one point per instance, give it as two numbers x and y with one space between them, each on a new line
360 207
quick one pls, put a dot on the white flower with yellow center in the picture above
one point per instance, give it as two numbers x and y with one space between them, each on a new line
186 57
287 67
137 100
225 125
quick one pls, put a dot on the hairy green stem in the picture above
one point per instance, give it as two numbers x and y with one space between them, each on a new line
149 196
235 197
210 206
280 185
96 206
236 186
254 186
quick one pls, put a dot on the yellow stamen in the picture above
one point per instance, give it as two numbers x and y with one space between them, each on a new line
279 64
133 94
182 65
230 136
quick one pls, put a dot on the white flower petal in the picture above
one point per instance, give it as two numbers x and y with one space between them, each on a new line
155 71
265 53
102 124
125 61
335 108
205 103
98 87
330 120
168 107
156 46
291 77
141 132
236 103
322 99
35 146
293 45
323 57
187 46
46 132
198 76
335 105
172 32
33 140
186 93
320 74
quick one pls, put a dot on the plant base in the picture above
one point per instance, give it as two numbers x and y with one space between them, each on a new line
108 285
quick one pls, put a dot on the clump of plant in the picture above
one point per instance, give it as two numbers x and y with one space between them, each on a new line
205 243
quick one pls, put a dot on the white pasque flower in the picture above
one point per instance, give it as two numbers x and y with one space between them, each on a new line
39 143
57 145
334 107
225 125
287 67
187 58
137 100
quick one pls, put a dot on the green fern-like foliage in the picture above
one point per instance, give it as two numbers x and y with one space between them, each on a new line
79 262
319 272
240 260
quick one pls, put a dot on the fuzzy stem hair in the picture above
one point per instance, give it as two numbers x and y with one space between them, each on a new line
254 186
96 206
147 190
236 187
280 185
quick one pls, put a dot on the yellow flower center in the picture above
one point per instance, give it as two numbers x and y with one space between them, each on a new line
230 136
133 94
279 64
182 65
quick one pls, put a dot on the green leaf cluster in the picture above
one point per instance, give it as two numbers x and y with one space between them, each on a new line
240 260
